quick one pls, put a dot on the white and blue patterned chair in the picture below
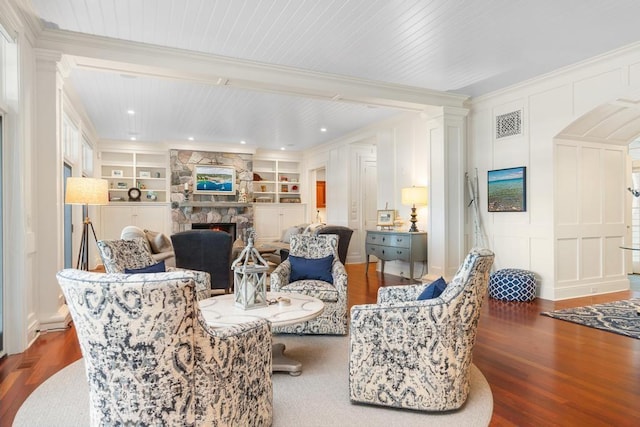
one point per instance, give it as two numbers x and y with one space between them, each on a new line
333 319
412 354
152 360
121 254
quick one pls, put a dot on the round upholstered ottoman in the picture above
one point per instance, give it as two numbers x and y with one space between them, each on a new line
512 284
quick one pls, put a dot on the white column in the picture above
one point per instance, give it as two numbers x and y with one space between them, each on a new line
47 190
447 153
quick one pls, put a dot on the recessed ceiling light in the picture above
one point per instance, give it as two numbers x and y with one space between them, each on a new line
323 129
190 138
133 138
130 112
243 142
282 148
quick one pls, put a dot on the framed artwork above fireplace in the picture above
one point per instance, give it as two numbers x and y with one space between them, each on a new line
214 180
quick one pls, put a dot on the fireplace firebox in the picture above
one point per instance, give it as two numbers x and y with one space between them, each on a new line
228 227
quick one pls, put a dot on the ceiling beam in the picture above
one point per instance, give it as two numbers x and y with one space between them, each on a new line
127 57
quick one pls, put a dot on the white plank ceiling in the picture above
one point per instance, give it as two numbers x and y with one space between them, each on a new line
470 47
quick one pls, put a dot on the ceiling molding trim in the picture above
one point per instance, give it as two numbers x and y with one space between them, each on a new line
613 60
121 56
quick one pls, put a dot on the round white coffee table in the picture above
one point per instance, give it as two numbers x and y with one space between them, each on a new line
221 311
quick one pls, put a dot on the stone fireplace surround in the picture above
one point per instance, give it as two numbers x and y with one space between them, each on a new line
188 208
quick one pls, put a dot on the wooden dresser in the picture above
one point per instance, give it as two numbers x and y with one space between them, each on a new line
397 246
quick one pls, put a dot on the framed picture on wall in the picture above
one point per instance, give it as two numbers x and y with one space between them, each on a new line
386 218
214 180
507 190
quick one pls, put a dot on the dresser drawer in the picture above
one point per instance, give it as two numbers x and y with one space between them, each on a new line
387 239
388 253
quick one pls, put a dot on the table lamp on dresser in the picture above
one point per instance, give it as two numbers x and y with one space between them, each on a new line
414 196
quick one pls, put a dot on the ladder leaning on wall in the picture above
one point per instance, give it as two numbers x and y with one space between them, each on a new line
479 238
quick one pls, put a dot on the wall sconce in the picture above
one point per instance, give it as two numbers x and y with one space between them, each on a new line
414 196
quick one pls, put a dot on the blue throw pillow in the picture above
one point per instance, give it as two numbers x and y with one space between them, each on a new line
155 268
311 269
433 290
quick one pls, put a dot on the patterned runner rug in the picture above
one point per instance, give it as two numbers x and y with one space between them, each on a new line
620 317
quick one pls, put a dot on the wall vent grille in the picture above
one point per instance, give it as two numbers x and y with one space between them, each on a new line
509 124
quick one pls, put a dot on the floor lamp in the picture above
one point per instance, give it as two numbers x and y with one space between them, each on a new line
414 196
86 191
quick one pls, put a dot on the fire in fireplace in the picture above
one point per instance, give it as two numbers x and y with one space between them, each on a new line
228 227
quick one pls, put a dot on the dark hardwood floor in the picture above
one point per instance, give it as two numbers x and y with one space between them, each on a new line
543 372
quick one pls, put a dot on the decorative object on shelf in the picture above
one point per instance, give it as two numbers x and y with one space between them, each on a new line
134 194
243 198
117 173
256 177
414 196
122 185
284 178
386 217
151 195
263 188
86 191
263 199
145 174
249 276
507 190
294 188
284 188
158 175
289 200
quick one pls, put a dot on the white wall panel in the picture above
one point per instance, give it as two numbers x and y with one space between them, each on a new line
566 260
548 113
614 257
511 252
591 258
541 262
566 184
595 90
590 186
614 180
634 75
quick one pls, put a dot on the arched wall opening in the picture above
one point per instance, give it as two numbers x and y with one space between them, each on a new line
592 206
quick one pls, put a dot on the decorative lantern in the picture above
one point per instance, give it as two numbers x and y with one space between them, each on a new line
249 277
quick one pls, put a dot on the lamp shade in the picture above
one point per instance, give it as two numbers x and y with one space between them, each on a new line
87 191
414 196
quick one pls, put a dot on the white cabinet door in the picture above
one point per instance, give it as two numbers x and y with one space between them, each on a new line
270 220
153 218
266 221
114 218
291 215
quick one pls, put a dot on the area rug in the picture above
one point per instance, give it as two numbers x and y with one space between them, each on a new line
620 317
318 397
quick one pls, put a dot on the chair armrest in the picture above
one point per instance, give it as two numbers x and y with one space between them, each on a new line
392 294
233 373
202 280
339 273
280 276
418 346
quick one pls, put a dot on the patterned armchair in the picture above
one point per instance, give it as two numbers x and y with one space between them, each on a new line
152 360
333 319
414 354
120 254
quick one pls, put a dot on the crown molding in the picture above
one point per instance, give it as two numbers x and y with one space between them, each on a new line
127 57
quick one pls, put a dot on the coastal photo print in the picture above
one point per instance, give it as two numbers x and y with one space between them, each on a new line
507 190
